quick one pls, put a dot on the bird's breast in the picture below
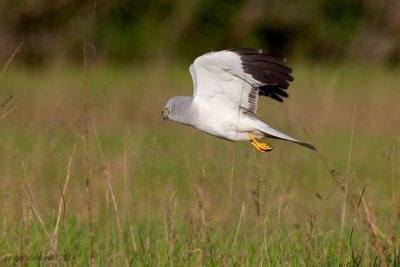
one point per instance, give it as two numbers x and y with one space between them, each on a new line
222 122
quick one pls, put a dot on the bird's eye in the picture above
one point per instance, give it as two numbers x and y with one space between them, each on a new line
167 109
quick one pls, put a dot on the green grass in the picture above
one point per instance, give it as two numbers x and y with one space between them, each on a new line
185 198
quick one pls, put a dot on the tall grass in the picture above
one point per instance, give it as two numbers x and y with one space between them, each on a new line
87 45
165 194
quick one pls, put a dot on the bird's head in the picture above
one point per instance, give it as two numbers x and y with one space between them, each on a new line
168 109
165 113
176 108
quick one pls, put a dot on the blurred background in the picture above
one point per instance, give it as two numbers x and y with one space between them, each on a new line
136 31
164 193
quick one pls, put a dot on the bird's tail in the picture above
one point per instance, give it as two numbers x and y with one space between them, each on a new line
272 133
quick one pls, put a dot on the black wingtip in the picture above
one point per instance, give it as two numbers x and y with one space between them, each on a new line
267 70
259 52
308 146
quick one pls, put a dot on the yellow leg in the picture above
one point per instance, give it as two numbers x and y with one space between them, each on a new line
262 147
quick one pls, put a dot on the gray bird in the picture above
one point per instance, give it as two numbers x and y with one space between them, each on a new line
226 89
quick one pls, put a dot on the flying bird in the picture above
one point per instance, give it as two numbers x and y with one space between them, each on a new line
227 85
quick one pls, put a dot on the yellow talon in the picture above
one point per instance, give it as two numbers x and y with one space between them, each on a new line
262 147
257 147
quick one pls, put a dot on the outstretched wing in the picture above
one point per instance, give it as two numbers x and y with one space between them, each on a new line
236 77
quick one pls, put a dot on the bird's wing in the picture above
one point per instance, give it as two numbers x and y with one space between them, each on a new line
194 78
236 77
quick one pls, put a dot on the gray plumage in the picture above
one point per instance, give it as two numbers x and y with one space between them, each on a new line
226 89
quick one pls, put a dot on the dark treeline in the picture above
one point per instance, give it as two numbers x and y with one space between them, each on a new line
133 30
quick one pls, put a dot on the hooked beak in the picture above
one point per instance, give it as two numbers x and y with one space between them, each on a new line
165 113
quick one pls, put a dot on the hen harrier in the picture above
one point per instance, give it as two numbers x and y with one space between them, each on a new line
226 89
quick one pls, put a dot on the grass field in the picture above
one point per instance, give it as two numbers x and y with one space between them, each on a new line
166 194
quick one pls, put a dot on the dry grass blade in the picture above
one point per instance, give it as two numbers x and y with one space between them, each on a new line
107 249
242 214
62 200
169 221
86 134
10 59
8 100
345 187
30 198
5 102
376 231
120 235
127 198
8 112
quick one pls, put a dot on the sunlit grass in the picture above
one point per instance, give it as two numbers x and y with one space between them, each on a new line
182 197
